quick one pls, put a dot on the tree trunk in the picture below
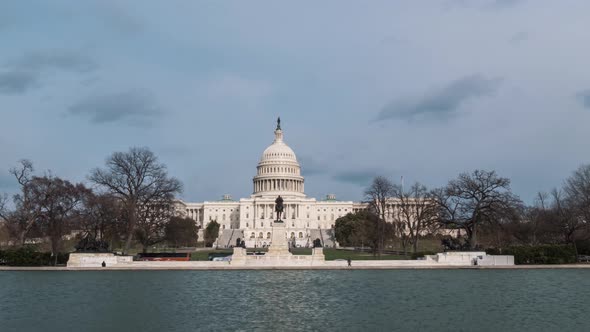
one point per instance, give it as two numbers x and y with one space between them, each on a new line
128 241
130 229
21 239
473 238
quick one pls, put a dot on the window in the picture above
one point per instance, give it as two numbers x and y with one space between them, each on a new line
292 235
319 218
247 216
247 225
262 224
260 235
268 235
301 235
252 235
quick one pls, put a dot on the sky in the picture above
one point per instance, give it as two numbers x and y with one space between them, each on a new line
420 89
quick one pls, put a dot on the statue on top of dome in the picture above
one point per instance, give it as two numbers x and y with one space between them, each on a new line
279 123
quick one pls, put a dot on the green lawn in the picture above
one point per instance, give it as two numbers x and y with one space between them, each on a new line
331 254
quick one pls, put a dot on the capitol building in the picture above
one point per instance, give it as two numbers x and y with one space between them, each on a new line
250 219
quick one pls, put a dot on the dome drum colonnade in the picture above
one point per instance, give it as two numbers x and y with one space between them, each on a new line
278 169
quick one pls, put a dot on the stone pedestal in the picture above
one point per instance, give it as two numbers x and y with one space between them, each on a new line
239 256
318 254
279 245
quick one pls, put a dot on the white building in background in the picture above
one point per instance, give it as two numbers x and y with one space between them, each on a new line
250 219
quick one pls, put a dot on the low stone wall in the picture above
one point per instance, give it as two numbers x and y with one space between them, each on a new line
241 259
496 260
96 260
459 257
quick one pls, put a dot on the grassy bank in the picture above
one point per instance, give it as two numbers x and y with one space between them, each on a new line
331 254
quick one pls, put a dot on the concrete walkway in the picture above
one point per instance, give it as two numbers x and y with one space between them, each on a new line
355 266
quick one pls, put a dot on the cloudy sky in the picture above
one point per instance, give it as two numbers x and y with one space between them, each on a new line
423 89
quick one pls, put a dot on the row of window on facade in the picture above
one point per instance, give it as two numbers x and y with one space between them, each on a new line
332 217
262 224
266 170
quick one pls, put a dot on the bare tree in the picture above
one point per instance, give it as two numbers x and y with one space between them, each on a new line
137 180
377 194
102 218
59 203
415 213
23 217
474 199
577 192
565 216
151 226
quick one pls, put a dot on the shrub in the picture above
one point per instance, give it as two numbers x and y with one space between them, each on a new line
27 256
541 254
583 247
418 254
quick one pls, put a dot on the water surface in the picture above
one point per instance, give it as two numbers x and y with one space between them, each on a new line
342 300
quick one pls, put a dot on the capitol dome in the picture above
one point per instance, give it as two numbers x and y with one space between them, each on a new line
278 171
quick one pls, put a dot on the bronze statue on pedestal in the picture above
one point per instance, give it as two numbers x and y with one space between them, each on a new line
279 208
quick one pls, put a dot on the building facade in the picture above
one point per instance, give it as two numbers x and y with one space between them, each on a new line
277 173
250 219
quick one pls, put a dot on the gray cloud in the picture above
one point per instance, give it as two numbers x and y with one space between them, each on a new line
584 98
22 74
361 178
483 4
519 37
119 18
14 82
61 60
135 106
309 166
441 103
